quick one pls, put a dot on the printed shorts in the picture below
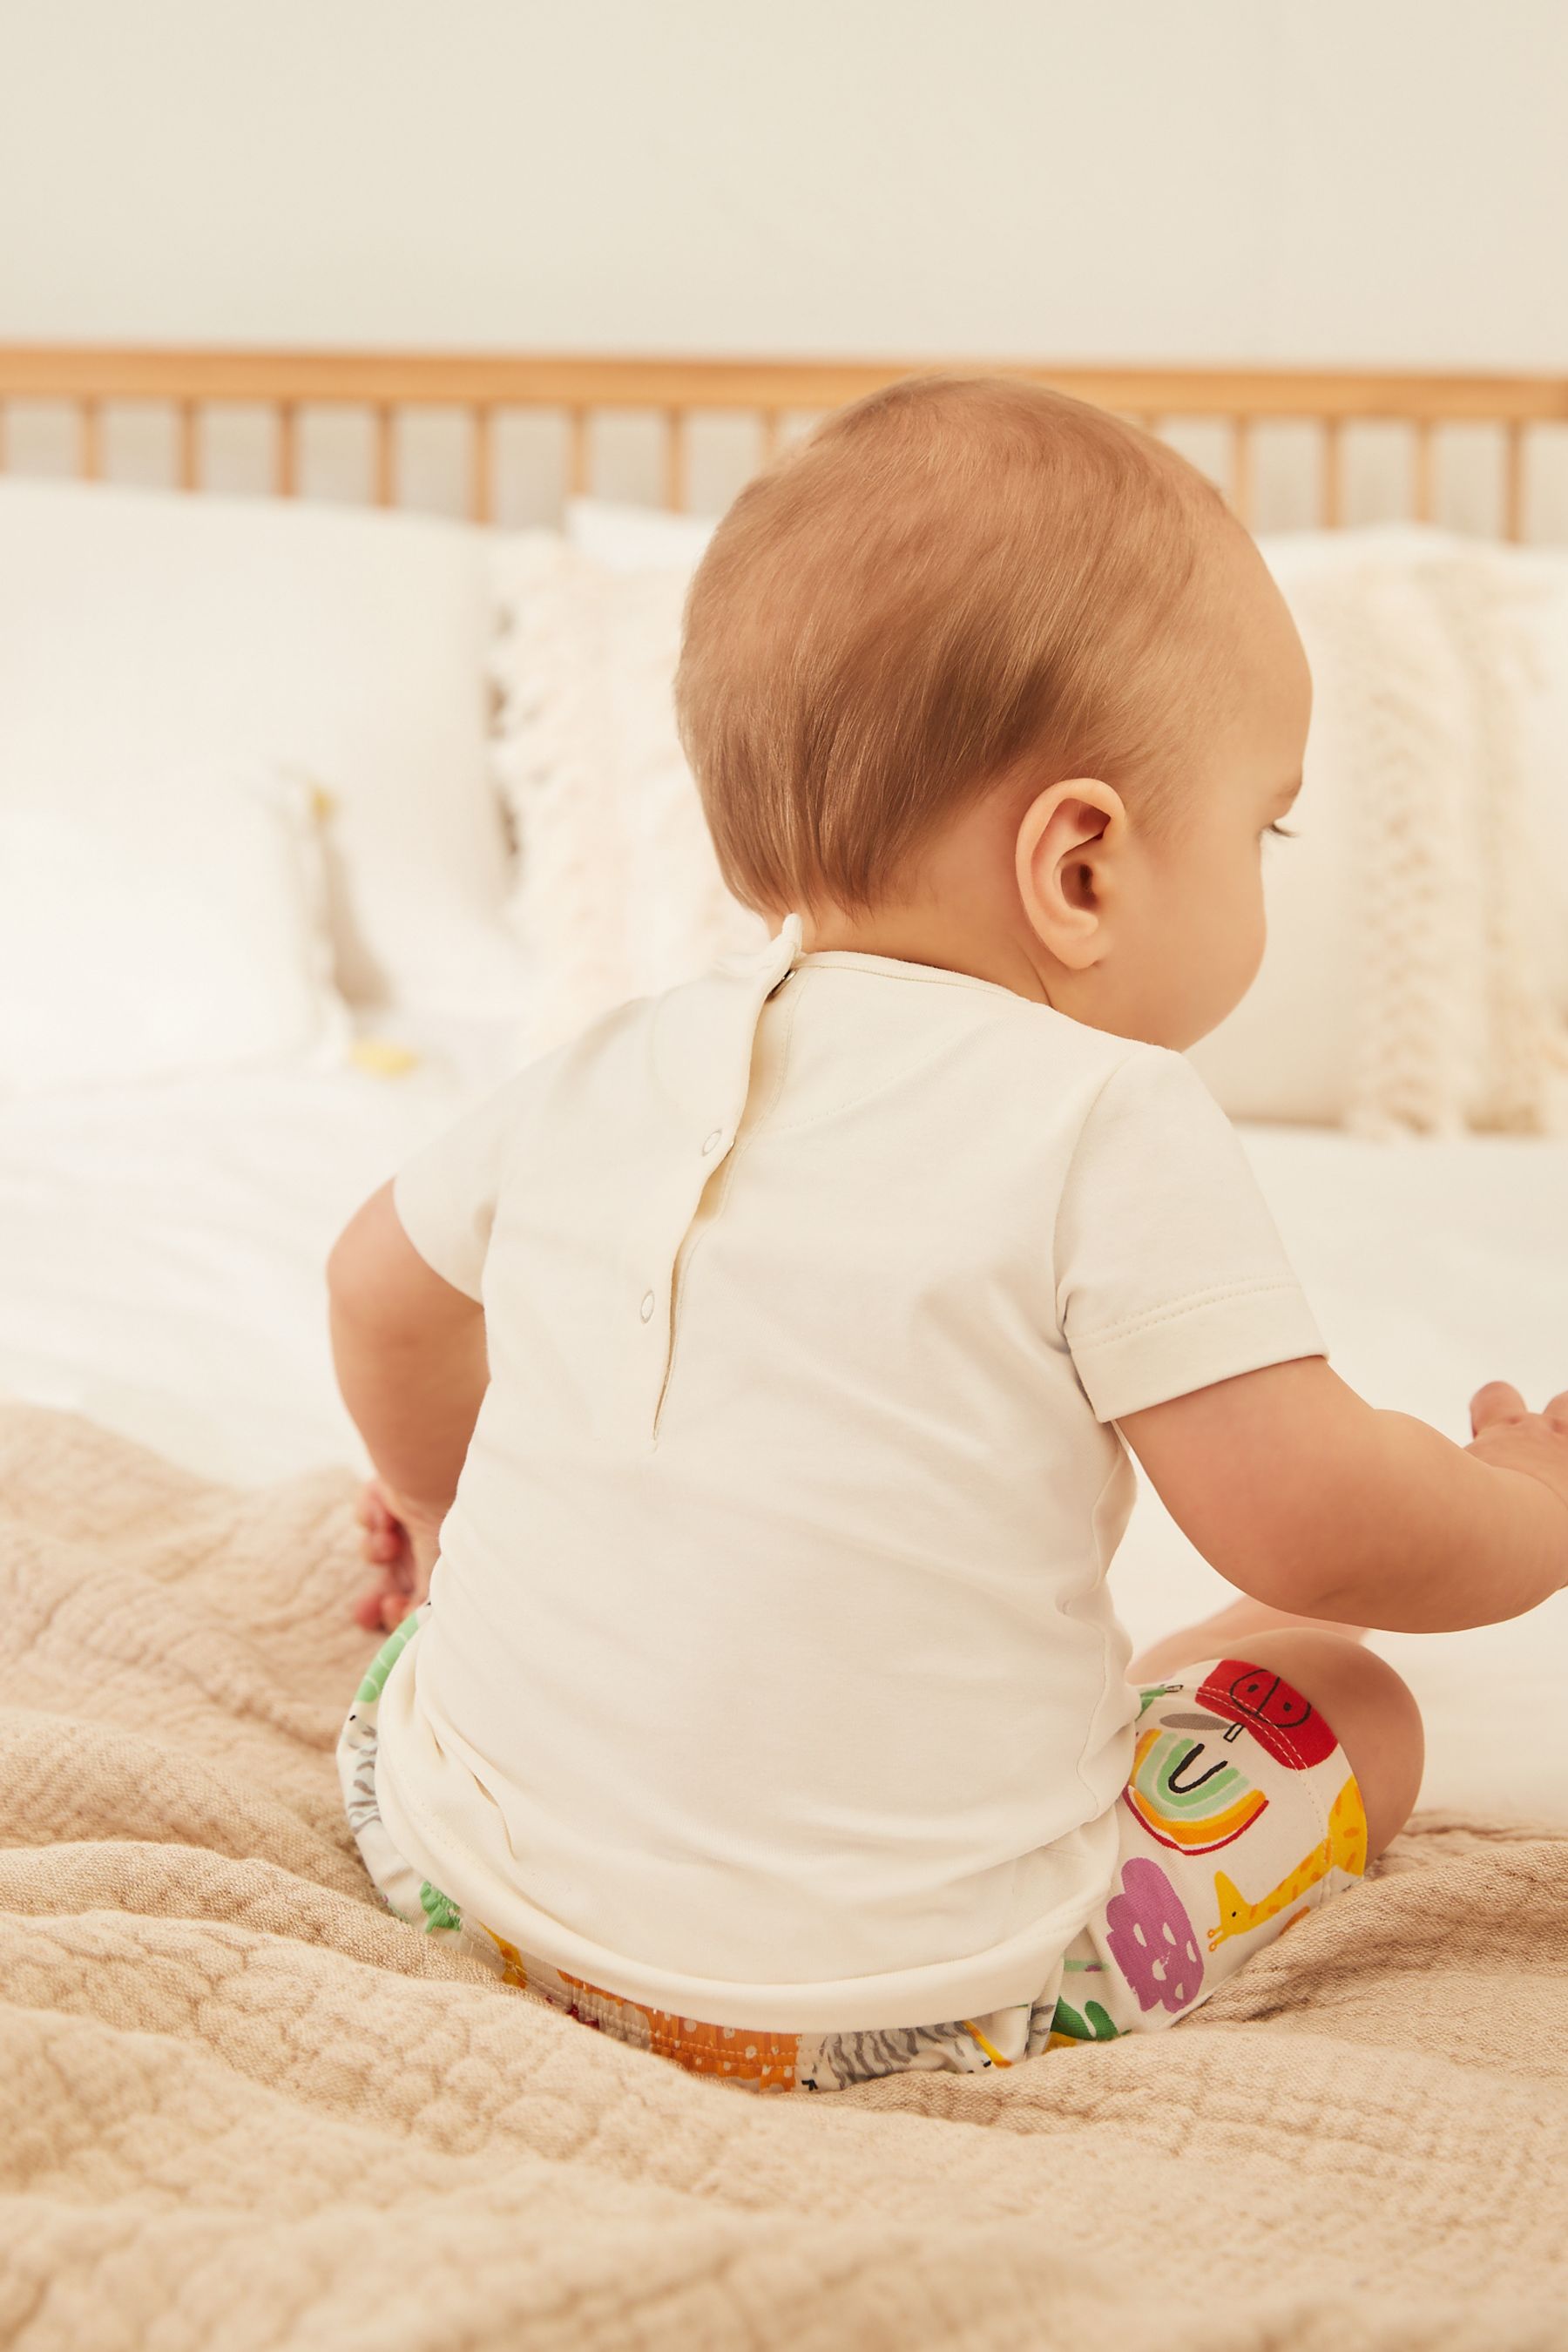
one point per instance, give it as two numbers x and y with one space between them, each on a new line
1241 1815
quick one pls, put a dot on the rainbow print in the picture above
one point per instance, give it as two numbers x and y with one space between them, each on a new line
1192 1805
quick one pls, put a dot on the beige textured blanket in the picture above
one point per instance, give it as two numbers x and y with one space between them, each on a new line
246 2108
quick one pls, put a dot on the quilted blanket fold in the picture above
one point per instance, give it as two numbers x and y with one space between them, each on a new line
246 2108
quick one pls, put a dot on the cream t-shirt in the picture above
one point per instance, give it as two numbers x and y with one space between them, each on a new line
771 1675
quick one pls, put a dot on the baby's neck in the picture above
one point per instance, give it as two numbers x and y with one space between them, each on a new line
920 933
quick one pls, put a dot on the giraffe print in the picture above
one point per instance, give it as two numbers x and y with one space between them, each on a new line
1344 1848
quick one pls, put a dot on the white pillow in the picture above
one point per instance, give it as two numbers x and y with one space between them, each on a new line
636 539
619 893
151 934
142 633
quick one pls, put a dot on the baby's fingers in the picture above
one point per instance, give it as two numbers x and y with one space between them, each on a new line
369 1610
1557 1413
388 1601
1495 1404
370 1506
381 1533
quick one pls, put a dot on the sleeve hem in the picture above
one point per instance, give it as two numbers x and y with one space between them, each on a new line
1195 1302
1215 1338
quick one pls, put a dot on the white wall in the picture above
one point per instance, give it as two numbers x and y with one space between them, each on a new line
1348 180
1342 181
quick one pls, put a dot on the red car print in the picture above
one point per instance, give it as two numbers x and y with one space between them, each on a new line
1286 1725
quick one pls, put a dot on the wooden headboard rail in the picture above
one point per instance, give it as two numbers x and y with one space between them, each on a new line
772 391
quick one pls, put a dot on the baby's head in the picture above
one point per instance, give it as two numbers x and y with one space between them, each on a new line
981 673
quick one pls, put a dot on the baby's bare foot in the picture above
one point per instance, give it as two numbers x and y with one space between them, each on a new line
1226 1632
1247 1616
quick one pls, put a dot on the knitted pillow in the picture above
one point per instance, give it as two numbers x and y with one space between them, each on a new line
1404 986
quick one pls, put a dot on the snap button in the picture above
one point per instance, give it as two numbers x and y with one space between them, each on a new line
712 1142
645 1310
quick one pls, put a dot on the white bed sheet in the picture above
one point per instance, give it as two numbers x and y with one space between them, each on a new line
162 1249
160 1254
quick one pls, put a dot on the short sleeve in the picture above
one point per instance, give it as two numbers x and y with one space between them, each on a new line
445 1194
1170 1272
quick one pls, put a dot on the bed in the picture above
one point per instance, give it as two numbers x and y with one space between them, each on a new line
245 2097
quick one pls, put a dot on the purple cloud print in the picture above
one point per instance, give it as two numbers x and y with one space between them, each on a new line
1152 1940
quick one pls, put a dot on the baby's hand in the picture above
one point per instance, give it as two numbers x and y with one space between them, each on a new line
1510 1437
399 1539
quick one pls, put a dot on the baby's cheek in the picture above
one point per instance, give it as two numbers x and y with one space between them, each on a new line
1257 940
1248 919
1237 949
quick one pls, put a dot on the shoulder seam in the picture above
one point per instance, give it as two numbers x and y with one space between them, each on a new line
1123 1061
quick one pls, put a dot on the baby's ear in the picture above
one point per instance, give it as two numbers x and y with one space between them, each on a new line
1067 840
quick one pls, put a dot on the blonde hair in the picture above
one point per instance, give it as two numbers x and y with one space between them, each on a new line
947 577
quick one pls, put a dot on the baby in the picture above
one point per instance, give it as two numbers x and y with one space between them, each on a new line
763 1366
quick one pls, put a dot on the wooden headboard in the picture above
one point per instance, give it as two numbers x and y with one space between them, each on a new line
779 396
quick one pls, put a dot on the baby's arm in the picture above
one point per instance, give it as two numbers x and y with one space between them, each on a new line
1312 1501
409 1350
